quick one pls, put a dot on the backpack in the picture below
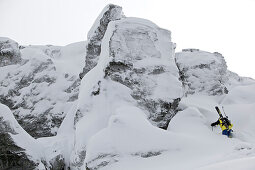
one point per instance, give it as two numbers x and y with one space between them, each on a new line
225 122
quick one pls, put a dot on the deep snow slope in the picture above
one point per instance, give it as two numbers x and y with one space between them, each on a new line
138 106
42 86
189 139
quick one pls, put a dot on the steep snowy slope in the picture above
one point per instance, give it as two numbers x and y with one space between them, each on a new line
41 88
190 138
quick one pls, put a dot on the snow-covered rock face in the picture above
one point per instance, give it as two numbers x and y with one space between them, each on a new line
39 91
202 71
93 48
136 67
142 58
9 52
15 154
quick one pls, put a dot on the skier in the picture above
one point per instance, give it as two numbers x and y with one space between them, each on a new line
224 123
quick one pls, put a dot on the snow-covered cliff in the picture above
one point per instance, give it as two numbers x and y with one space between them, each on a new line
136 104
42 86
136 68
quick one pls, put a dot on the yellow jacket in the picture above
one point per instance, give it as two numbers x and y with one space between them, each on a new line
224 127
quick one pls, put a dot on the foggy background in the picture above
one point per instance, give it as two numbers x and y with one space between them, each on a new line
225 26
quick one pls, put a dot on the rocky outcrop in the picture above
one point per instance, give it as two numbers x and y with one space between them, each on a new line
140 56
38 93
136 67
18 150
202 72
13 156
9 52
93 48
142 59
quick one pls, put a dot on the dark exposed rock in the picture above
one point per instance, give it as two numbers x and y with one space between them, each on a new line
12 156
164 111
96 34
108 158
97 89
80 161
37 126
161 111
6 101
78 115
74 87
190 50
57 163
148 154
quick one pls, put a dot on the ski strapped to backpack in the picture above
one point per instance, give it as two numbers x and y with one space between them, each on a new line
218 111
224 120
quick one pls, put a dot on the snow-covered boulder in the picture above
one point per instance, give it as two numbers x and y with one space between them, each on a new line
9 52
95 35
202 71
42 89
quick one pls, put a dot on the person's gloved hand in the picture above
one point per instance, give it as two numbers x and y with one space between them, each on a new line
212 124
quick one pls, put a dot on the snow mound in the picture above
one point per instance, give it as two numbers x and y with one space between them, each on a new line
128 133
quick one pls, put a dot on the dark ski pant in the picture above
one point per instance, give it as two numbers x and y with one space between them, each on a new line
227 132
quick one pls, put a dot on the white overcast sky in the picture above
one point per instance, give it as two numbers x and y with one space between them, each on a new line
225 26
